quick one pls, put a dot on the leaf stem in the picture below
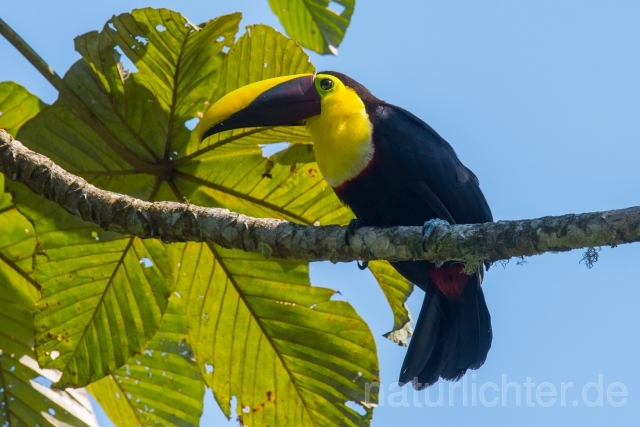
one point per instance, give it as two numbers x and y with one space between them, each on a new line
12 264
31 56
79 107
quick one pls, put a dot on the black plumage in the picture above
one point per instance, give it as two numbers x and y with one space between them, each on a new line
415 176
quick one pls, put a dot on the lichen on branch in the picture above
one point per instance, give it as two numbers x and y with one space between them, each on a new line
472 244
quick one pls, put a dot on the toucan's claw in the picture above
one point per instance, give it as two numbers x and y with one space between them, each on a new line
428 228
363 266
354 224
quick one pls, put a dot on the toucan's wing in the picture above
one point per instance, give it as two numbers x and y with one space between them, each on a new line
429 166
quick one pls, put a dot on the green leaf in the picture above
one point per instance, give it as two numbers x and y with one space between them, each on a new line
261 333
17 106
103 294
101 306
28 401
100 303
25 397
161 386
16 252
24 392
290 156
19 290
261 53
296 153
396 289
318 25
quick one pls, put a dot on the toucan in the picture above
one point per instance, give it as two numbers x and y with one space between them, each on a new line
390 168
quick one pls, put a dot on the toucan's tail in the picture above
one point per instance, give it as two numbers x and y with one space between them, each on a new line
452 334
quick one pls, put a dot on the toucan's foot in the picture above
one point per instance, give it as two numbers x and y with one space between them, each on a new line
354 224
428 228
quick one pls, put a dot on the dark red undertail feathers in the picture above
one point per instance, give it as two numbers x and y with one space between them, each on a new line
449 279
453 331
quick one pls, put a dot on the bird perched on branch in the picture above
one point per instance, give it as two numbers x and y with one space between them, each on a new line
390 168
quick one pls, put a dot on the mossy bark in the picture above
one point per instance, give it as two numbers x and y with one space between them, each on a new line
472 244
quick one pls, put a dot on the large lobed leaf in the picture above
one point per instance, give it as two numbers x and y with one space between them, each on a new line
161 386
396 289
105 296
319 25
261 333
25 396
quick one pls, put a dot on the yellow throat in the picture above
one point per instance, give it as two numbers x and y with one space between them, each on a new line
341 133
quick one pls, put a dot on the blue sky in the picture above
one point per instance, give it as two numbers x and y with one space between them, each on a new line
542 101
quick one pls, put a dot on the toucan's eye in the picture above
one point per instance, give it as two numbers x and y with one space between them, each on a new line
326 84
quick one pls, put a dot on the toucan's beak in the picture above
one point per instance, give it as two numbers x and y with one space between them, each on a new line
280 101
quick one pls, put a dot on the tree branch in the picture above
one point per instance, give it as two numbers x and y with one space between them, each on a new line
472 244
